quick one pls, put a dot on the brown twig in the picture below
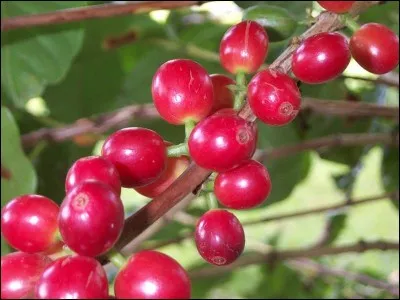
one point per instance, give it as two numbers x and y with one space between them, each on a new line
390 81
90 12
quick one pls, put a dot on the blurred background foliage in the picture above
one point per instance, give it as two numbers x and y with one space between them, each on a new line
54 75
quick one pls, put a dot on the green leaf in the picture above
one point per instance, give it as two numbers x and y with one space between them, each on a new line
33 58
335 224
390 172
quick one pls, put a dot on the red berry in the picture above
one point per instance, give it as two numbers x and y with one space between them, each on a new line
375 48
175 167
274 97
219 237
93 168
222 141
338 7
321 58
150 274
91 218
243 187
244 47
182 90
139 155
19 273
29 223
223 96
73 277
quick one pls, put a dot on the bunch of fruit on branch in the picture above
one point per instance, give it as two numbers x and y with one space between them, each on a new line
90 219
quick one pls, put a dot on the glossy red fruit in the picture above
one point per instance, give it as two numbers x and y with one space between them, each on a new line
20 272
338 7
182 91
243 187
244 47
175 167
219 237
93 168
222 141
139 154
73 277
321 57
29 223
91 218
274 97
375 48
223 96
150 274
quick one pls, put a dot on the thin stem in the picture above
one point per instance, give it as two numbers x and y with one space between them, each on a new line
240 93
116 258
189 125
177 150
351 23
212 202
208 186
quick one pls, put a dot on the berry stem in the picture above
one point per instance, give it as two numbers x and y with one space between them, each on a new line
241 91
212 202
208 186
189 125
116 258
351 23
177 150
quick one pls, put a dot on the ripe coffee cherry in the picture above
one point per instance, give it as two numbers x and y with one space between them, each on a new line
19 273
375 48
222 141
274 97
175 167
29 223
91 218
73 277
338 7
244 47
219 237
243 187
182 91
150 274
93 168
321 57
139 155
223 96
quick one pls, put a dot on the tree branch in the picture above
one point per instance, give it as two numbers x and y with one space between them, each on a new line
90 12
390 81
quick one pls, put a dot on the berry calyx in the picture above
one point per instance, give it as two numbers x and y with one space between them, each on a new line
139 154
321 57
219 237
223 96
77 277
150 274
93 168
243 187
274 97
375 48
91 218
338 7
222 141
244 47
182 91
29 223
20 272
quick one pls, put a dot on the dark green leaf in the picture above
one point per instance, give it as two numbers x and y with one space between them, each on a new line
335 224
390 172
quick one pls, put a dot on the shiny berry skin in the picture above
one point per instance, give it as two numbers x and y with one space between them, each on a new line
182 91
274 97
219 237
244 47
93 168
175 167
223 96
73 277
243 187
139 154
222 141
321 57
375 48
29 223
151 274
91 218
338 7
20 272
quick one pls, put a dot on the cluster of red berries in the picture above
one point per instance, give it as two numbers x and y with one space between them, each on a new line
91 217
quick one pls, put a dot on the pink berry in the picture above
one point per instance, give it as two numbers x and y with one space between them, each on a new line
139 154
29 223
338 7
150 274
182 91
91 218
321 57
223 96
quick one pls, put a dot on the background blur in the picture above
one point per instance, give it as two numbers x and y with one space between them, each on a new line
55 75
